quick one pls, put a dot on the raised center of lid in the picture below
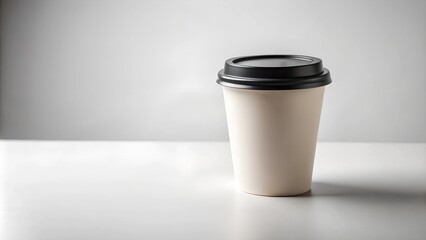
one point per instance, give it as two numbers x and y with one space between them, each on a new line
273 62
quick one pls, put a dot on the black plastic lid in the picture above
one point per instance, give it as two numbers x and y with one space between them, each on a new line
274 72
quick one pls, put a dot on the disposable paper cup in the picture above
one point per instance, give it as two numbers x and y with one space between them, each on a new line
273 107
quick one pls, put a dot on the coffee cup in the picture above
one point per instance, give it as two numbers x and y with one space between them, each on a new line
273 107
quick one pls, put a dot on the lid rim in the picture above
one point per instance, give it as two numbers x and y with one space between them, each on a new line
272 88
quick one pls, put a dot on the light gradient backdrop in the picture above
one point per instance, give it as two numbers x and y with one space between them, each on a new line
146 70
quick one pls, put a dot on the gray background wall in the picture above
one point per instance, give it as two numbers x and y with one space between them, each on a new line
146 70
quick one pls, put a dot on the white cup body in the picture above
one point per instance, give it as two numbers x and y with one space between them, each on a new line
273 135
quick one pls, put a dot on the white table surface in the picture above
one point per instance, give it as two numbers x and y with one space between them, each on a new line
185 190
